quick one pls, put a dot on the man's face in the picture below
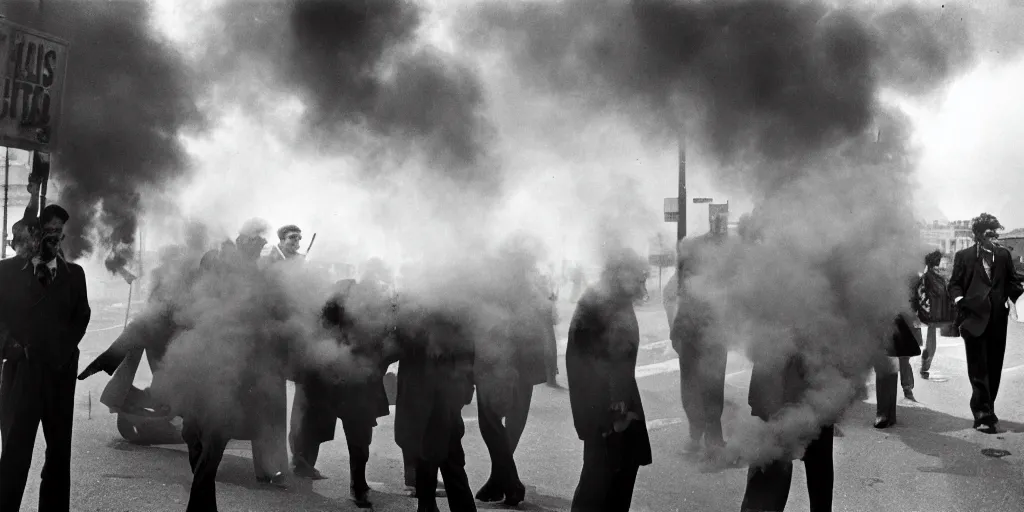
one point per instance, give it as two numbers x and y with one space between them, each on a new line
250 246
290 243
50 238
988 239
633 283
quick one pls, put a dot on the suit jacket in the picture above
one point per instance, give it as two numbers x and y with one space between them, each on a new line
982 296
49 321
600 362
435 381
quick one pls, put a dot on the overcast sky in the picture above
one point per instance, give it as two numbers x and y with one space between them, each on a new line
969 135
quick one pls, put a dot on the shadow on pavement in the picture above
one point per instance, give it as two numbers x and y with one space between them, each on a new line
238 471
948 438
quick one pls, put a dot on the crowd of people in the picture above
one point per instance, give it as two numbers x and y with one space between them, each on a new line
490 337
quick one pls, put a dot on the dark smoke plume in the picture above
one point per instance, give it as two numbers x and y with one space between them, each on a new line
776 77
127 98
786 95
357 67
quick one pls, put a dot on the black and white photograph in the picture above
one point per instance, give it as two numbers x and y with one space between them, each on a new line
537 255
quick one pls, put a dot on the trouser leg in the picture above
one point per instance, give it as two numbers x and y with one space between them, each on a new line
690 389
515 422
930 346
58 413
712 364
203 494
820 470
20 412
620 489
358 437
886 385
453 472
270 444
496 439
906 374
978 371
768 487
595 477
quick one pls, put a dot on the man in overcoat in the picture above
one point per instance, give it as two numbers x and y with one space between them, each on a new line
356 317
983 286
44 313
600 361
702 359
777 381
505 383
435 381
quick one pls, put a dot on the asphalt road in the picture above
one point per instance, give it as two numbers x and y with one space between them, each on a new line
931 461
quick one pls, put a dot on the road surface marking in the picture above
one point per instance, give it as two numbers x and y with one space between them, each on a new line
663 422
111 328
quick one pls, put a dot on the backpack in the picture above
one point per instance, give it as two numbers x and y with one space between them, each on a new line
931 300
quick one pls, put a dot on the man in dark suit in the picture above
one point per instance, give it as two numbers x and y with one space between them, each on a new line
776 381
702 359
435 381
600 363
983 285
505 382
356 316
44 312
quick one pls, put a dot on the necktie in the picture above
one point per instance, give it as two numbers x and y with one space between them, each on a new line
43 274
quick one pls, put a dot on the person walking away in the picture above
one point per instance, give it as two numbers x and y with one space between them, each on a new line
435 381
44 313
983 286
607 411
356 316
702 363
934 307
776 381
505 384
905 344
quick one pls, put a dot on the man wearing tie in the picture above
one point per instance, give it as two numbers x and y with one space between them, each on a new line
44 312
983 286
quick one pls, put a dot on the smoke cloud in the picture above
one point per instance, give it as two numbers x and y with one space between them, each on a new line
128 95
785 96
778 78
368 84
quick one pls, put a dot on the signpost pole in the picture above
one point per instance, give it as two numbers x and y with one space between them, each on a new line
681 223
7 186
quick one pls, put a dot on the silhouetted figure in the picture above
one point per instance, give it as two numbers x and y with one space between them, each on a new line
600 364
44 313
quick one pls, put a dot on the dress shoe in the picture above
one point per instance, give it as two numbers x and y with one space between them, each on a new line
277 480
308 472
516 495
490 493
987 428
925 375
909 395
361 497
883 422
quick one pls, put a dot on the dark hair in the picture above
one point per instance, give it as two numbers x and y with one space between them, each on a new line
290 228
53 212
983 223
933 258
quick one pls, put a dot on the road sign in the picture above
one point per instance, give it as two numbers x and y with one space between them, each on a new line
699 200
662 260
671 209
32 79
